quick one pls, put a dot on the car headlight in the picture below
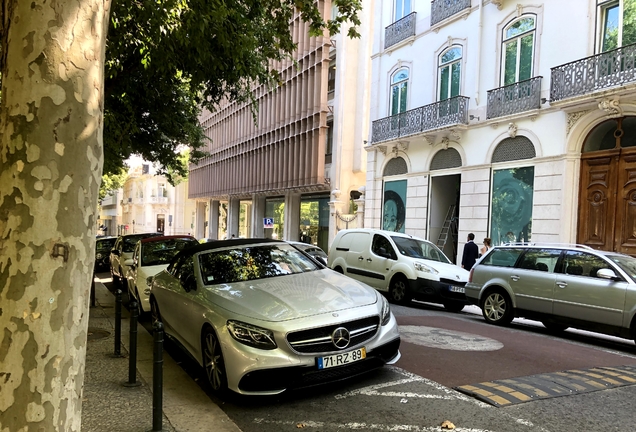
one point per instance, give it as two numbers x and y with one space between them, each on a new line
421 267
253 336
386 311
98 256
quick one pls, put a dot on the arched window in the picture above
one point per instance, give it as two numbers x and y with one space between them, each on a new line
449 75
399 91
402 9
395 166
518 50
443 159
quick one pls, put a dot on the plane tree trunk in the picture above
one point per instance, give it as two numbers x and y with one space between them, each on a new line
51 156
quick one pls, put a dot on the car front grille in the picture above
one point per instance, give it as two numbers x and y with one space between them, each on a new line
318 340
452 282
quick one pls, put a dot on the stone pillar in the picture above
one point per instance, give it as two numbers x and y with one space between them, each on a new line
360 212
213 225
258 214
233 213
291 230
199 227
335 206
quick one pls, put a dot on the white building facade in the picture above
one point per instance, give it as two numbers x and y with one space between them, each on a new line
514 120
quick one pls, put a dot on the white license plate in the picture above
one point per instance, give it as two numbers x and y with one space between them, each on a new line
342 358
457 289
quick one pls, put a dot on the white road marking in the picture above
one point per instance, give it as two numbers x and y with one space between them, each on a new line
434 337
363 426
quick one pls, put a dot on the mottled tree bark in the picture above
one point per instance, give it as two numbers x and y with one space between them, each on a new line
51 155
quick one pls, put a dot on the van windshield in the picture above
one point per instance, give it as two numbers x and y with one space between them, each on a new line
414 248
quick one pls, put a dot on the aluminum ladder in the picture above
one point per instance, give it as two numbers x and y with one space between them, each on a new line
449 229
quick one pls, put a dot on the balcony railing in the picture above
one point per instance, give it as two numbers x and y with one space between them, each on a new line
448 112
399 30
514 98
597 72
442 9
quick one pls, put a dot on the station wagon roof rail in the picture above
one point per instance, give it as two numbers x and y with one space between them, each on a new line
547 244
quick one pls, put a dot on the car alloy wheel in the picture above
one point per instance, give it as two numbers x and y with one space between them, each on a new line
140 308
497 308
154 311
398 291
213 361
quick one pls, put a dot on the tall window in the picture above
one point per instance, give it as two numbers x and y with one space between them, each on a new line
399 91
518 50
450 73
329 146
402 8
616 23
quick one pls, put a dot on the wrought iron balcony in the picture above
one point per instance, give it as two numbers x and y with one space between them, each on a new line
400 30
514 98
442 9
448 112
597 72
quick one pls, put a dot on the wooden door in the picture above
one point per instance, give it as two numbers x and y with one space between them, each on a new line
607 200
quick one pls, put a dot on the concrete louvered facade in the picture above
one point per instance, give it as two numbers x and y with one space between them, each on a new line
296 151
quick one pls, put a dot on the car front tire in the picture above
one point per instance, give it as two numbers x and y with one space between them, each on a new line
213 362
154 311
115 278
454 306
399 291
497 308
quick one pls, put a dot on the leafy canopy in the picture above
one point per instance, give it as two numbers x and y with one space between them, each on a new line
165 59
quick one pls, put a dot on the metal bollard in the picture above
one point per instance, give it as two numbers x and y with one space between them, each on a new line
157 378
132 354
93 291
117 352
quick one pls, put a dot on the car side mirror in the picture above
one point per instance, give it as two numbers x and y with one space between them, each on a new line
607 274
321 260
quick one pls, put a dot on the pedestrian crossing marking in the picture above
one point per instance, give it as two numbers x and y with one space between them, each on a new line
548 385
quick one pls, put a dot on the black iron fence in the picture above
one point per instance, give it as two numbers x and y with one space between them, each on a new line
442 9
514 98
399 30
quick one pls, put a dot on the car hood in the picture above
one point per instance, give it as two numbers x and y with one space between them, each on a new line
448 271
289 297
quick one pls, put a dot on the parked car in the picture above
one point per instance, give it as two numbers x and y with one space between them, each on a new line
312 250
401 265
123 249
103 245
261 317
151 255
560 285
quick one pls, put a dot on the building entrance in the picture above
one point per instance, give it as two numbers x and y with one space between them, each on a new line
607 194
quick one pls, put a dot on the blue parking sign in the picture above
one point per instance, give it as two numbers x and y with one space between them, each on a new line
268 222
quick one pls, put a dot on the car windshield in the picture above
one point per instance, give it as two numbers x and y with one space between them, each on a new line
252 262
162 252
626 263
131 241
106 244
415 248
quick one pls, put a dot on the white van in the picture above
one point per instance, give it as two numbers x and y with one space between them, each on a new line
406 267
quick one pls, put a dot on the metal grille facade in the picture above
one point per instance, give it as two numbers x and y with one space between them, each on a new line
285 149
609 69
400 30
395 166
442 9
445 113
514 98
443 159
511 149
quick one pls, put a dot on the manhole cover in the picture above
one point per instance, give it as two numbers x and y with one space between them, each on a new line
96 333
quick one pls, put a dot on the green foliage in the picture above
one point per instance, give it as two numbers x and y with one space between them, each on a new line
165 59
179 172
112 182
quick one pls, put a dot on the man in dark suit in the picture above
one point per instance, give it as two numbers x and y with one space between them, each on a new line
471 252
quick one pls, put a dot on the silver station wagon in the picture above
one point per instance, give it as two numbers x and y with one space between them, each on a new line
561 286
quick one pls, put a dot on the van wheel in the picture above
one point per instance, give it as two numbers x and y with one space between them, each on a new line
454 306
399 291
497 308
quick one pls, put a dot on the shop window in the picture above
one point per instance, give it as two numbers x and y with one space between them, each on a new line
512 198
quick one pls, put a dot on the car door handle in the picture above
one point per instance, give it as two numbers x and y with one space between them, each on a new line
369 260
360 258
514 278
562 284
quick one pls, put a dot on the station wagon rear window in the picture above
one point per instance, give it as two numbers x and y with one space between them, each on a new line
505 257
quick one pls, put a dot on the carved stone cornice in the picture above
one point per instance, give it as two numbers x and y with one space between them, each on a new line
512 130
611 106
498 3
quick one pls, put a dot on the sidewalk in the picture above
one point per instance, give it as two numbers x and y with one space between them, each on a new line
109 406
